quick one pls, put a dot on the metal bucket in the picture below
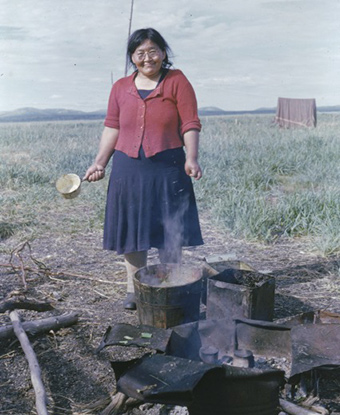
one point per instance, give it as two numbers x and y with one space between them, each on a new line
238 293
167 295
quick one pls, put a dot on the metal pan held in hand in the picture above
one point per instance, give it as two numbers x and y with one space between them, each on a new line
69 185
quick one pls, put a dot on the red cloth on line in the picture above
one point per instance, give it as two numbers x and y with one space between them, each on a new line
158 122
295 112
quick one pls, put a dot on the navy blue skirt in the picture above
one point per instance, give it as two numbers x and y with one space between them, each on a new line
150 204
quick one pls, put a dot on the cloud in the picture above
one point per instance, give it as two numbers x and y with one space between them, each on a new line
226 80
12 33
236 54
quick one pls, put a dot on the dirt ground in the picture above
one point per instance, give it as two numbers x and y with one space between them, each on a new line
93 285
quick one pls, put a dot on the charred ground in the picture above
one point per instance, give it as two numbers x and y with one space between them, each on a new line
90 281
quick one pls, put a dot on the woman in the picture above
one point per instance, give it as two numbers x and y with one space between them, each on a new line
151 115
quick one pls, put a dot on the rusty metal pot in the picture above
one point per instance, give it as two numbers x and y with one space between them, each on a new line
69 185
168 295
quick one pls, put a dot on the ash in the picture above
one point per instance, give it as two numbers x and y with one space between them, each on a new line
149 409
274 363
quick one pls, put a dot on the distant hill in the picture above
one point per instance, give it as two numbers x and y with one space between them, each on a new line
54 114
206 111
334 108
58 114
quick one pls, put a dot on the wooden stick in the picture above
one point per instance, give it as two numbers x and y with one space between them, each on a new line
41 326
40 394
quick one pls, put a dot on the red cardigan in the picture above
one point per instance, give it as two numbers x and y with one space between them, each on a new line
159 121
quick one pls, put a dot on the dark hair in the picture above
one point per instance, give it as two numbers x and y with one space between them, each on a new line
139 36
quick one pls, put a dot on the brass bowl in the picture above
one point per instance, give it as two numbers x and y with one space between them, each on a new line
69 185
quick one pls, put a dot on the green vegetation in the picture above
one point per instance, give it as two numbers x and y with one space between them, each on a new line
260 182
32 157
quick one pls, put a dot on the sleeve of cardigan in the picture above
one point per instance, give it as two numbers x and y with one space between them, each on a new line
112 115
187 107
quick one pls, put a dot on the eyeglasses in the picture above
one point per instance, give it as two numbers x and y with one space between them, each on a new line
152 53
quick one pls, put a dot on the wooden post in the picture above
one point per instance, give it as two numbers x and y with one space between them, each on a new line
129 33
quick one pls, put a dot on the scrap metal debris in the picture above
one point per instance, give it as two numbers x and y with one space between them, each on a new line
298 346
174 381
140 336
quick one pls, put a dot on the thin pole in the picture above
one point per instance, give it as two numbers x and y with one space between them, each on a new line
130 21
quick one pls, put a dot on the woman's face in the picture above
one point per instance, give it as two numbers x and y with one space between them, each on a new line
148 58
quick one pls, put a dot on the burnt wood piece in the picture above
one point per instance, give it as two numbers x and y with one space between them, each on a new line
41 326
10 305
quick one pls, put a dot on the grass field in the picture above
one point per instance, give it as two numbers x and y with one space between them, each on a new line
260 182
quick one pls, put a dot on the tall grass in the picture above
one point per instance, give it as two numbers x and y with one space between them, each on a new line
32 157
260 182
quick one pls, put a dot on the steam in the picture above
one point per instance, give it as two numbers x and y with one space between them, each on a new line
174 224
168 275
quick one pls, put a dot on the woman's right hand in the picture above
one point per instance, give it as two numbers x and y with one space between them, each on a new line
94 173
106 149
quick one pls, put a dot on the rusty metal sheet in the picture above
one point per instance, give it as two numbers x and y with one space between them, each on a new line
187 339
248 392
163 379
310 317
263 338
314 345
141 336
171 380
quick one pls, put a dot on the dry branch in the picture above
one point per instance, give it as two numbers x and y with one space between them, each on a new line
17 254
116 403
40 267
119 404
41 326
40 394
50 273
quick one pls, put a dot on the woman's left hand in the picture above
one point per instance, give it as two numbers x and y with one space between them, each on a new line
193 169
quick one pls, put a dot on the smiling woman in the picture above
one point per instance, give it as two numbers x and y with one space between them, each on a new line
152 115
148 59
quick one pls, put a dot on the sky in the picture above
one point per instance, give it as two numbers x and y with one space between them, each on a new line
238 55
